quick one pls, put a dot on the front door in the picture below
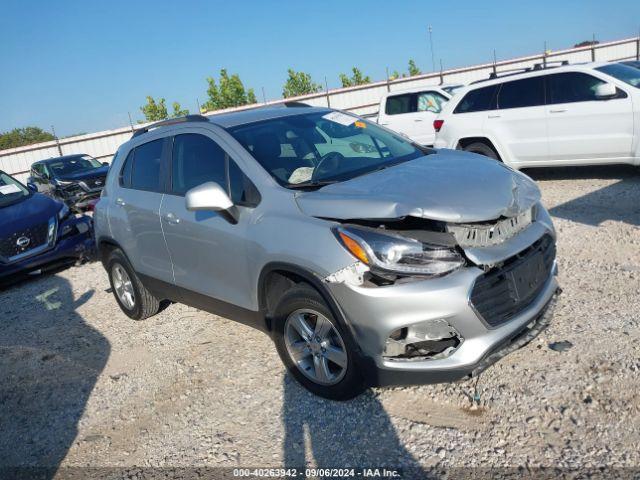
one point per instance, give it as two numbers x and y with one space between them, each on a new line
208 249
583 128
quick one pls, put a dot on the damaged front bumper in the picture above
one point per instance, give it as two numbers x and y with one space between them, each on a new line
467 343
74 242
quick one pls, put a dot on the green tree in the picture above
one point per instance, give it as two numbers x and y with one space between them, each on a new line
230 92
19 137
154 111
178 111
356 79
299 83
413 68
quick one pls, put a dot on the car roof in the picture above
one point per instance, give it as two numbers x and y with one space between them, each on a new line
63 157
508 77
252 115
423 88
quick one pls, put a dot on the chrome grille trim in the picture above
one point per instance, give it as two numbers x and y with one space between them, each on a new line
488 234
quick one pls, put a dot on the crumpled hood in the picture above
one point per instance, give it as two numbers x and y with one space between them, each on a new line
449 186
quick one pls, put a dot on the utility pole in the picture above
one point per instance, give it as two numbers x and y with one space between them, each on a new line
198 105
264 97
433 58
326 86
130 121
53 130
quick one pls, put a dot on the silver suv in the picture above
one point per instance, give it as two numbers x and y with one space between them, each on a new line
368 259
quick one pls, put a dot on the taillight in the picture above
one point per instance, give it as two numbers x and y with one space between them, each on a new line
437 125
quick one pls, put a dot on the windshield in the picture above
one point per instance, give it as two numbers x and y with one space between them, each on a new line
623 73
320 148
11 190
70 166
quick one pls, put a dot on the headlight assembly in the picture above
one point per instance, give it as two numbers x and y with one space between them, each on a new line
396 254
64 212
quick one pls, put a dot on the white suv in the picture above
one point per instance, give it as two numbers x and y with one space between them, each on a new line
568 115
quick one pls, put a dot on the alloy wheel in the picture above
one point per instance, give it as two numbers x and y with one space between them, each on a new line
123 286
315 346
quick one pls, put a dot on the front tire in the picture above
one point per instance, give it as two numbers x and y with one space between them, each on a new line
132 296
482 149
314 346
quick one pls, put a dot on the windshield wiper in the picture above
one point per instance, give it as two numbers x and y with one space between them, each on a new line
311 185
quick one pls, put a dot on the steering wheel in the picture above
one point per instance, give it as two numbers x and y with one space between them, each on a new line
327 164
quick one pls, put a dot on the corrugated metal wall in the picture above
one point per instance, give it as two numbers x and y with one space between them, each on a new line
361 99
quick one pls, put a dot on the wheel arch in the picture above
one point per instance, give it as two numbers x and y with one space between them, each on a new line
487 140
278 277
105 245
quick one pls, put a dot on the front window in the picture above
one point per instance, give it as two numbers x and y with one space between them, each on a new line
11 190
624 73
314 149
72 165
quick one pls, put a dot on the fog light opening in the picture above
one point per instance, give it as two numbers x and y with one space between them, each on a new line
430 340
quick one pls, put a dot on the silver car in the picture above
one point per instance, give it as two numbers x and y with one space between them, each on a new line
368 259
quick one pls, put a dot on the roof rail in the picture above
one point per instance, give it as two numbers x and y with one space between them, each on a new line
170 121
554 63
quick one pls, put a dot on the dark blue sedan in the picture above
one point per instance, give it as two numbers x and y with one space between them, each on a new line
38 232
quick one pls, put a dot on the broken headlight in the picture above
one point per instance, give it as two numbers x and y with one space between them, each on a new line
396 254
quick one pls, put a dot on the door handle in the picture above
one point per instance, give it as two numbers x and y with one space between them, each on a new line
560 110
494 116
418 120
120 202
172 219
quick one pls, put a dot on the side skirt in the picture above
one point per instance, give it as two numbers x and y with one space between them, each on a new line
168 291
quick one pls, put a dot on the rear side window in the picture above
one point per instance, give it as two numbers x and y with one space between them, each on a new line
196 160
572 87
399 104
145 171
430 102
125 173
528 92
478 100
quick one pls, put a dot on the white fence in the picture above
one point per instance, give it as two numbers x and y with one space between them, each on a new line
362 99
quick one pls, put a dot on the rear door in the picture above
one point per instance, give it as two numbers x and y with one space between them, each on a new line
134 213
520 122
583 128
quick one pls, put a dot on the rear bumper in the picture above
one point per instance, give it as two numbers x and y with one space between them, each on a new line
74 242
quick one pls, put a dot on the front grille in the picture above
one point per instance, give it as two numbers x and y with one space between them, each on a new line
95 183
486 234
36 234
502 293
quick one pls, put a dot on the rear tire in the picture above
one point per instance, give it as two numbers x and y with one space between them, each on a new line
316 351
132 296
482 149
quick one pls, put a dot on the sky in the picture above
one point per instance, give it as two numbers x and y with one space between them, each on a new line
82 66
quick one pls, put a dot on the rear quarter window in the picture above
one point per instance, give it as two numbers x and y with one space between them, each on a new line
478 100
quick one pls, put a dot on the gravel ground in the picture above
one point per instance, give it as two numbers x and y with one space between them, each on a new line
82 385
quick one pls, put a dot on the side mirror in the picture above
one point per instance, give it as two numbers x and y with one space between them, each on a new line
32 187
208 196
605 91
105 164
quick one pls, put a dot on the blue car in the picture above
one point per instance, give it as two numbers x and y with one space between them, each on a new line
38 232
